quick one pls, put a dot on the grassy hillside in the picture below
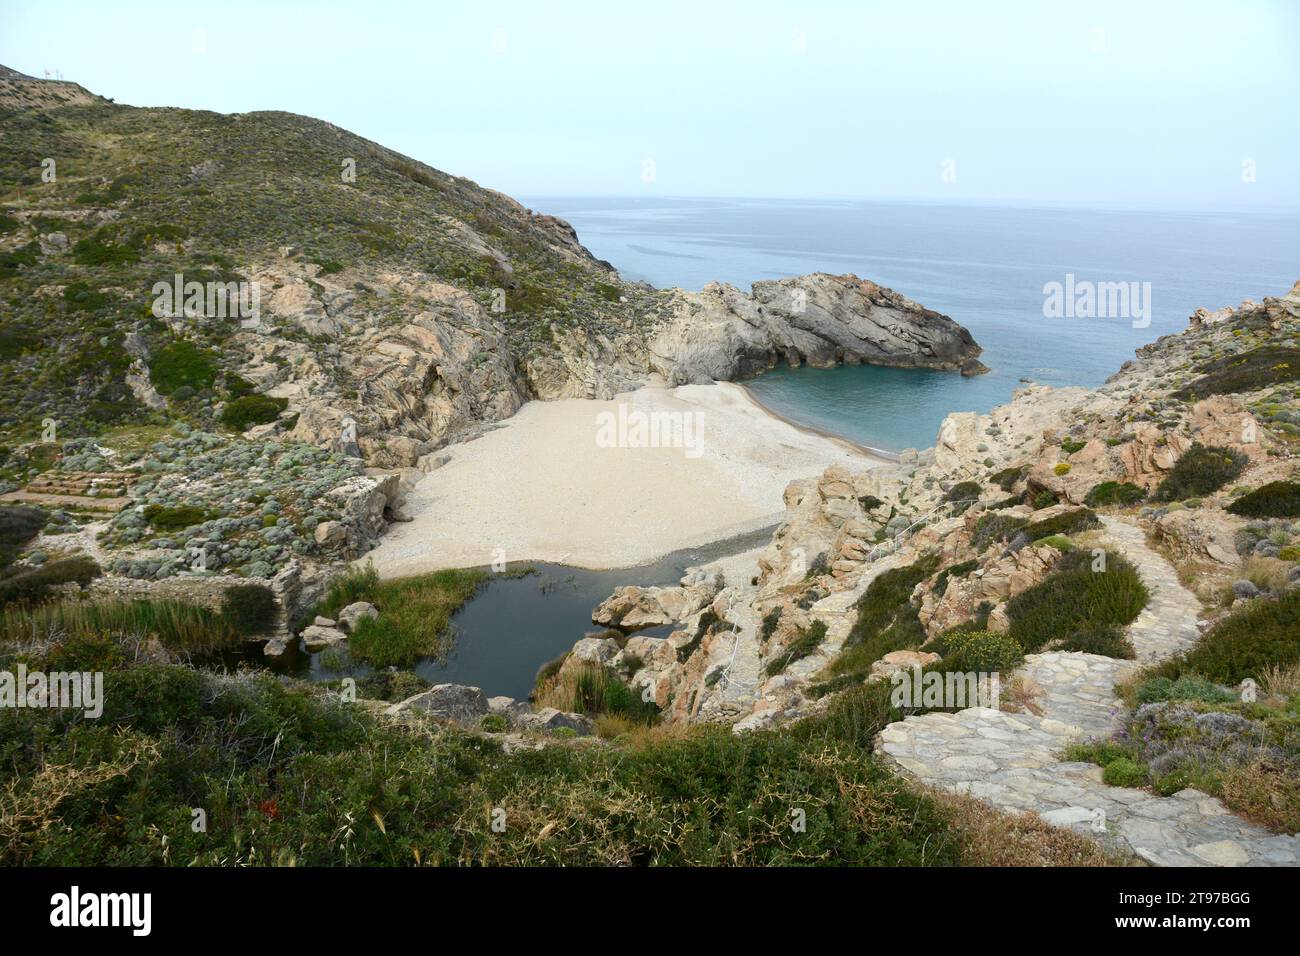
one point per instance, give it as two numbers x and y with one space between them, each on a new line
143 194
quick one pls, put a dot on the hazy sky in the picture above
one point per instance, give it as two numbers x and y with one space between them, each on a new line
1120 102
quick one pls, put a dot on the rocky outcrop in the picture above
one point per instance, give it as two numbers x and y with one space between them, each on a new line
390 366
632 608
721 333
843 529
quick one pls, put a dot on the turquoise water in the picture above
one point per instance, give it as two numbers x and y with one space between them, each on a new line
984 266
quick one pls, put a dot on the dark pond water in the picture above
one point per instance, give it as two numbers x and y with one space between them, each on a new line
515 624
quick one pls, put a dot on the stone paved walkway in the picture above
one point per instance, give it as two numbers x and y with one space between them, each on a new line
1012 760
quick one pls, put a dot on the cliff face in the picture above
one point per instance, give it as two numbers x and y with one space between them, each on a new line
958 521
399 308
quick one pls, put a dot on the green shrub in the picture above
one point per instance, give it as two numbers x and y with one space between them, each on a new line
164 518
242 413
708 620
1070 446
1124 772
1114 493
414 614
1007 477
984 651
1186 687
19 524
102 248
249 608
31 585
770 620
1106 640
1100 752
1074 600
1277 499
1058 541
803 645
182 364
80 297
1066 523
1263 634
1044 499
493 723
965 493
995 527
1244 372
959 570
1062 469
1200 471
886 620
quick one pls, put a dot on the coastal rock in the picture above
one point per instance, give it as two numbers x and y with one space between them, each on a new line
630 608
720 333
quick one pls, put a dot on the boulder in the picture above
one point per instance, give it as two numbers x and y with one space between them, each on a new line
594 650
357 611
455 702
317 638
549 719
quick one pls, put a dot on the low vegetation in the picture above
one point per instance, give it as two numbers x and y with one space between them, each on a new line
809 639
1075 604
178 626
290 776
1114 493
1200 471
1244 372
592 689
886 620
1277 499
415 613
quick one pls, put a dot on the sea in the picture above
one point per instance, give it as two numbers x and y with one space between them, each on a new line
984 266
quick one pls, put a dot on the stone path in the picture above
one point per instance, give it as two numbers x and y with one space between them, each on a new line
1013 760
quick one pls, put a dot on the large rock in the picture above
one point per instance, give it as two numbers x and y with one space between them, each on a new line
317 638
630 608
549 719
455 702
355 612
721 333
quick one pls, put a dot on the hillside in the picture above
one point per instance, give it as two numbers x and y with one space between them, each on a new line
399 308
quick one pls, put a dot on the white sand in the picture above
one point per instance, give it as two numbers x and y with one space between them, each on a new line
542 487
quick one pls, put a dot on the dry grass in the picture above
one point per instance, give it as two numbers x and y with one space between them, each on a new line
27 810
1268 574
1265 792
994 838
1020 694
1280 683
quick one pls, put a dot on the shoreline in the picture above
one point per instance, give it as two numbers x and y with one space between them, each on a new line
886 457
542 487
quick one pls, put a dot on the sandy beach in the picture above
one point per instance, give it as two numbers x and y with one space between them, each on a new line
609 484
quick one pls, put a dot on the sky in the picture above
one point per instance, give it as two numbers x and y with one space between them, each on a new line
1183 103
